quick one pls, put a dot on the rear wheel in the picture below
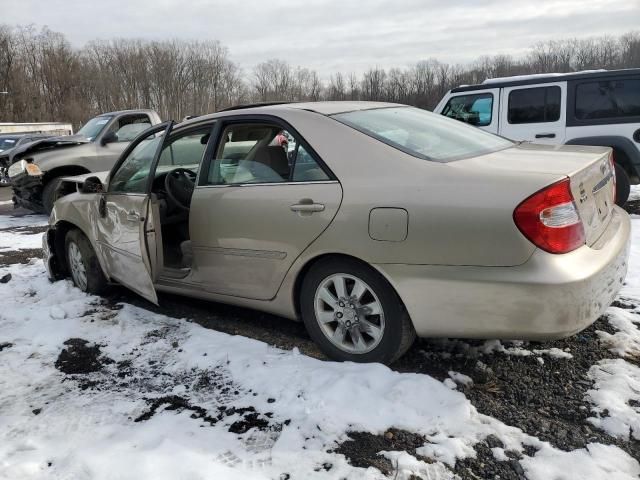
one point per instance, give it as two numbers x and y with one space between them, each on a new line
623 186
82 263
353 314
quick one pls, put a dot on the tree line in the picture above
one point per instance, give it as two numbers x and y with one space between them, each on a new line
49 80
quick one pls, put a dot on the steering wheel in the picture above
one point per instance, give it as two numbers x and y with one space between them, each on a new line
179 184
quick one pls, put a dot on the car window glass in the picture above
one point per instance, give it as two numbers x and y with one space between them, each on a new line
607 99
93 127
306 169
255 153
473 109
7 143
423 134
184 151
128 127
534 105
133 174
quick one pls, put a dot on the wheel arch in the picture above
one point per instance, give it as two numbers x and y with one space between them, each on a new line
64 170
62 227
304 270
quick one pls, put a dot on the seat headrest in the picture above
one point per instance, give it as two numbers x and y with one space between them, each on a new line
275 158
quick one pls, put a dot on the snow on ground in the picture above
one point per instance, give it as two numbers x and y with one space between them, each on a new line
16 232
166 398
634 194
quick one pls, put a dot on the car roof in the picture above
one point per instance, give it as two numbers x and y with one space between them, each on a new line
545 78
120 112
323 108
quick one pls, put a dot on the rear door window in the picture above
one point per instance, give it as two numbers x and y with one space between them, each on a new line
473 109
534 105
607 99
262 153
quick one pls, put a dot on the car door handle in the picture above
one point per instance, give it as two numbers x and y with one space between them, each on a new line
545 135
307 205
133 216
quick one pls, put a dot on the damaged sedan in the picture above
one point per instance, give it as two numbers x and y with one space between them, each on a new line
373 223
37 169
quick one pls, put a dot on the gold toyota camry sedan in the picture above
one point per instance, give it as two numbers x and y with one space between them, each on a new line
371 222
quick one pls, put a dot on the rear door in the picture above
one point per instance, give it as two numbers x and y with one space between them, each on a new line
479 108
124 214
534 113
260 201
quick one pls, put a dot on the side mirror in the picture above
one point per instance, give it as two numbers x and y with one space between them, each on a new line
92 185
109 137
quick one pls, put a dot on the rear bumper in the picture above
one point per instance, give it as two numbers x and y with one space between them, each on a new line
549 296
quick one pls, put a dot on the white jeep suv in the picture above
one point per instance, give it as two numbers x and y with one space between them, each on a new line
597 107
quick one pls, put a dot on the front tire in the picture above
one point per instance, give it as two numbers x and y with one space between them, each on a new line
50 194
82 263
353 314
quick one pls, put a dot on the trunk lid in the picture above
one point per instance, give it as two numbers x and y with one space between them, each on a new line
593 192
588 168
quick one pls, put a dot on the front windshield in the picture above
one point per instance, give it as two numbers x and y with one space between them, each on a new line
423 134
93 127
7 142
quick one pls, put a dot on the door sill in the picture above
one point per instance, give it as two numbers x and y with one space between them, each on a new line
169 273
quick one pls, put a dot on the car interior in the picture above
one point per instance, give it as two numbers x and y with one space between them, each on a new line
262 153
173 187
255 153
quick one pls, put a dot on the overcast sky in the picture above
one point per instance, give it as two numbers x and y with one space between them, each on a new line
335 35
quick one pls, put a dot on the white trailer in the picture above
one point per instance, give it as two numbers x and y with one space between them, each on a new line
53 128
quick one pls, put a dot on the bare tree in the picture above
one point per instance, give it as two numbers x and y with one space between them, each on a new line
47 79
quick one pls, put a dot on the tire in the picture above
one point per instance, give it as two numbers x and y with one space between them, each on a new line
394 332
79 255
49 195
623 186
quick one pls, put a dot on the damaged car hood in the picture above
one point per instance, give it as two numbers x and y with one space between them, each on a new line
47 144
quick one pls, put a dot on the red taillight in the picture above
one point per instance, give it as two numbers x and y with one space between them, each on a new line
550 220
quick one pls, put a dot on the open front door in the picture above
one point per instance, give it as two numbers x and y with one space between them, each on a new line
126 214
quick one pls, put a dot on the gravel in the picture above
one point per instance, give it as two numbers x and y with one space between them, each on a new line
541 394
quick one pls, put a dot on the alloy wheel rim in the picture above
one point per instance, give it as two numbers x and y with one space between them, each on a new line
349 313
76 265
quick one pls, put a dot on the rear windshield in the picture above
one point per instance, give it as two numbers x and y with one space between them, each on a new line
423 134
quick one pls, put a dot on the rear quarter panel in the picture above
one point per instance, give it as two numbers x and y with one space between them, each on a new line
457 214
